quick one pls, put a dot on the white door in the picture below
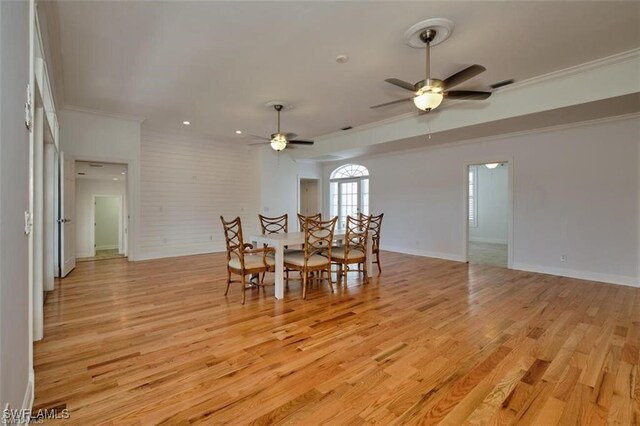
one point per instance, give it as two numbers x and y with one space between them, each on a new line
67 214
348 197
308 197
349 191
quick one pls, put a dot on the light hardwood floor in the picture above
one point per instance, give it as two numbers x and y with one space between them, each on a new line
429 341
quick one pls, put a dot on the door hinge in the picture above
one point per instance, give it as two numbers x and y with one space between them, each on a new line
28 118
27 223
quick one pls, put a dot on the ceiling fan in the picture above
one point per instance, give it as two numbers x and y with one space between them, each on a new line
430 92
279 140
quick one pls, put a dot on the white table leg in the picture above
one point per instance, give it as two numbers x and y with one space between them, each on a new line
279 284
369 255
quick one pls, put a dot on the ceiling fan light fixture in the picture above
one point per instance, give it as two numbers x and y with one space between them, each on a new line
428 98
278 142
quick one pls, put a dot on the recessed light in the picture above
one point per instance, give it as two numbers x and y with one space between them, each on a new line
123 173
115 178
342 59
238 132
186 123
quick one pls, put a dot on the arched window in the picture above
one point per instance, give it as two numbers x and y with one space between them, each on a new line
348 192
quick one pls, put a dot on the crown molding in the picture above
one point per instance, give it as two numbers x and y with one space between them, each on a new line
626 56
84 110
445 145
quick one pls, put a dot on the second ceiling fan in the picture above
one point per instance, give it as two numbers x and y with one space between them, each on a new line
279 140
430 92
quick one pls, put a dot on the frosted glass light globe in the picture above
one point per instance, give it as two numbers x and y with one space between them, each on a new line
279 142
428 99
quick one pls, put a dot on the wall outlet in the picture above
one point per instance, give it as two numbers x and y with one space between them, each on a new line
563 258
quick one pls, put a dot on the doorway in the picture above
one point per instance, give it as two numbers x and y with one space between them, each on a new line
308 205
100 210
488 229
107 235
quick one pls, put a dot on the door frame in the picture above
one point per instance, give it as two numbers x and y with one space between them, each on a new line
130 222
510 211
120 221
62 214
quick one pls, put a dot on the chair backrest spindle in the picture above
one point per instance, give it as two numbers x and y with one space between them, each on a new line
274 225
318 237
302 219
233 238
356 234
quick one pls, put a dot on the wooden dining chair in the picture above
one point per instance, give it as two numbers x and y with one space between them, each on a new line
302 219
242 258
354 249
274 225
316 255
375 226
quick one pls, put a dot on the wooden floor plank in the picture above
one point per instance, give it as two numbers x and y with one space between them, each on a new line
430 341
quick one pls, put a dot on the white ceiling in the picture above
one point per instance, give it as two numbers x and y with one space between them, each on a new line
217 63
103 171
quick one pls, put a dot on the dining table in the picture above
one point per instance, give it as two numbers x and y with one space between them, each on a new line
291 239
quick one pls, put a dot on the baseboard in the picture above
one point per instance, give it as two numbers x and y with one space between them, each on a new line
153 256
29 393
437 255
582 275
571 273
488 240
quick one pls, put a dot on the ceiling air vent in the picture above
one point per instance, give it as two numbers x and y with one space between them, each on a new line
501 83
95 165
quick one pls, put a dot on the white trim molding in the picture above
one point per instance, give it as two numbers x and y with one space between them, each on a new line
29 394
582 275
436 255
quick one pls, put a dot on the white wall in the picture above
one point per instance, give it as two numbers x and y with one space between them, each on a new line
186 185
575 194
86 189
492 205
15 339
279 183
95 137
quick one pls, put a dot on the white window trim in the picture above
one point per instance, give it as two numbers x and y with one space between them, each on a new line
358 180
